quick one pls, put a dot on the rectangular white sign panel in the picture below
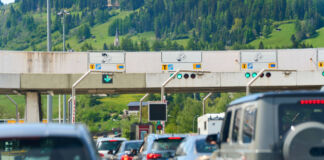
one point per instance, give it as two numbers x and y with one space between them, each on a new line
181 57
106 61
258 56
321 55
106 57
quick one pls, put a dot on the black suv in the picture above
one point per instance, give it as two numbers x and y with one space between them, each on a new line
274 125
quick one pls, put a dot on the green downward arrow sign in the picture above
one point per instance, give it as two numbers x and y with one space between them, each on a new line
106 79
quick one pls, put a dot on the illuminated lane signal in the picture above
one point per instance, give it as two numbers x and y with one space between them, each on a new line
107 78
247 75
323 73
254 74
179 76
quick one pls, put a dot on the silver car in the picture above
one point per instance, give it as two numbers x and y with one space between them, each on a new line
107 147
46 141
126 148
194 148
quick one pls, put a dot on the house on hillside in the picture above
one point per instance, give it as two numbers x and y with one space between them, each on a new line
133 107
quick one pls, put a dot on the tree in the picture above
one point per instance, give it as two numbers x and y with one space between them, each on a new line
105 47
261 46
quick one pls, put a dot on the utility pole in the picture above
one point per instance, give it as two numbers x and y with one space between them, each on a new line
49 48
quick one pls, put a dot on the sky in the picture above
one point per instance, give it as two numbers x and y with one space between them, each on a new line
7 1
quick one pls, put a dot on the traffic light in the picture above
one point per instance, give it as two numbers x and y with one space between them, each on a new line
187 75
254 74
179 76
323 73
159 127
247 75
106 78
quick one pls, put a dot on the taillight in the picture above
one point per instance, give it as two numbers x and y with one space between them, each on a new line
153 156
314 101
174 138
126 157
113 140
101 155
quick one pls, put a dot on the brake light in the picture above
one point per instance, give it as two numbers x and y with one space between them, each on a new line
174 138
101 155
153 156
112 140
126 157
314 101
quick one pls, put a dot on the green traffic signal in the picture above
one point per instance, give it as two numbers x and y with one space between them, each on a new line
254 74
323 73
106 78
179 76
247 75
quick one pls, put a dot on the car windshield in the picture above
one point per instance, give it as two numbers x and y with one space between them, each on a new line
294 114
166 144
203 147
109 145
47 148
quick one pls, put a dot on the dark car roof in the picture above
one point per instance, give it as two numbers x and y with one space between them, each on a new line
257 96
41 130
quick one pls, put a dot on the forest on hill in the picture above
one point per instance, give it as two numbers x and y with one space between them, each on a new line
203 24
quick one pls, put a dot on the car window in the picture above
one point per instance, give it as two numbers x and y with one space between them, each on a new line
47 148
294 114
225 130
249 123
166 144
203 147
132 145
109 145
236 124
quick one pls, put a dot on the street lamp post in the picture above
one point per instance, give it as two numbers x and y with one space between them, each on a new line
63 13
49 48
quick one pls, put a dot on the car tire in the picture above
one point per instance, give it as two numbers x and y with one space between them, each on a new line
304 141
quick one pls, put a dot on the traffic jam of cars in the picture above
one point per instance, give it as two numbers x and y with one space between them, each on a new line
272 125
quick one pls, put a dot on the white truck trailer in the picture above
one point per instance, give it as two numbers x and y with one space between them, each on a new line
210 123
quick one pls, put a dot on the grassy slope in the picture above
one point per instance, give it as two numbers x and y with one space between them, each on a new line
277 38
118 103
317 41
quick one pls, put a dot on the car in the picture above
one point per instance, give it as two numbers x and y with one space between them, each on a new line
128 149
46 141
107 147
160 146
194 148
274 125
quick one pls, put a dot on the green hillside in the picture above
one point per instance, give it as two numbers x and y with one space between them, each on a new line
277 38
318 40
